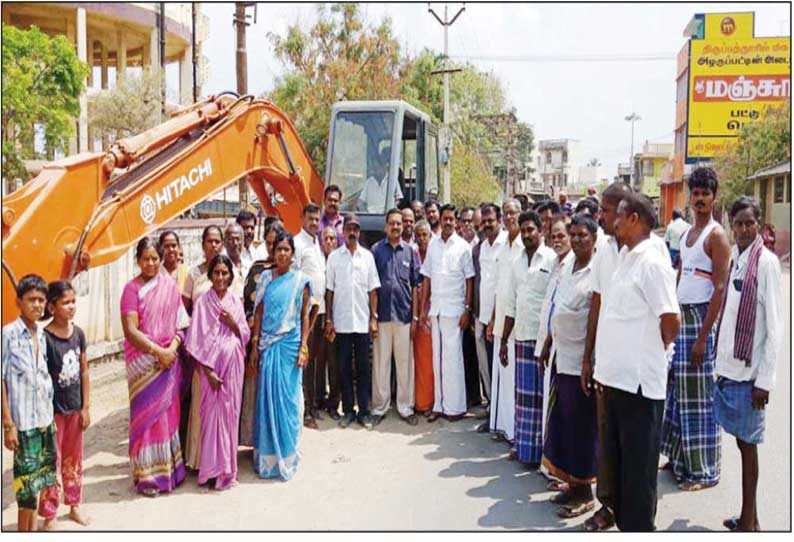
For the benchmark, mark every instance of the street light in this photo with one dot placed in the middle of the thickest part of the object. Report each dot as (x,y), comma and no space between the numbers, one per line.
(632,119)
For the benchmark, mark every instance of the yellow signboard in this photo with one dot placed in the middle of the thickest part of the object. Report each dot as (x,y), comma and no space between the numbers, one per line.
(733,79)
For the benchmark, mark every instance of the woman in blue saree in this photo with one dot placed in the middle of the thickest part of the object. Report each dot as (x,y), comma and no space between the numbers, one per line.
(279,351)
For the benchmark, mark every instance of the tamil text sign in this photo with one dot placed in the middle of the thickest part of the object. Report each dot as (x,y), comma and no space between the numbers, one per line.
(732,81)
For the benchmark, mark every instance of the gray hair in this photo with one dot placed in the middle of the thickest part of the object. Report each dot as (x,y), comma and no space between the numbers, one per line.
(423,223)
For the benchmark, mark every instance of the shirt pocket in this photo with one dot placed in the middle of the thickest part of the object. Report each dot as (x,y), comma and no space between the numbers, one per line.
(402,271)
(360,278)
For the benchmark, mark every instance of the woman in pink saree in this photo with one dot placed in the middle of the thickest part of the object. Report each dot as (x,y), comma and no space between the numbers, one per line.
(151,315)
(216,340)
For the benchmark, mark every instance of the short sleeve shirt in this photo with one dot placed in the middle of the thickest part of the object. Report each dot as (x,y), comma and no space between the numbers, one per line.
(351,277)
(27,379)
(398,271)
(63,362)
(448,264)
(310,261)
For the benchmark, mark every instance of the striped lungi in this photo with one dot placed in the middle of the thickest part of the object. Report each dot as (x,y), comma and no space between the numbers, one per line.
(529,405)
(690,435)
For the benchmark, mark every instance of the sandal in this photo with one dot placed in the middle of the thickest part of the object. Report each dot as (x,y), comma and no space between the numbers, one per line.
(667,466)
(433,417)
(150,492)
(695,486)
(563,497)
(556,485)
(600,521)
(575,509)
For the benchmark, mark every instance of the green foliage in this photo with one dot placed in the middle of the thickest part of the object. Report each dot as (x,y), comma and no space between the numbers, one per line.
(472,183)
(760,144)
(42,82)
(339,58)
(342,57)
(130,108)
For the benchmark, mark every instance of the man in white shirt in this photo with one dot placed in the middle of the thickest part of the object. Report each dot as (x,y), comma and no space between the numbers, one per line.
(351,285)
(247,221)
(484,259)
(637,322)
(748,344)
(310,261)
(373,197)
(672,235)
(605,262)
(232,247)
(503,373)
(526,288)
(465,228)
(448,274)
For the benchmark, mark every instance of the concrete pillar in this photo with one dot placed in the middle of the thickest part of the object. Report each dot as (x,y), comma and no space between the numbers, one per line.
(186,77)
(71,35)
(121,57)
(82,54)
(104,65)
(153,50)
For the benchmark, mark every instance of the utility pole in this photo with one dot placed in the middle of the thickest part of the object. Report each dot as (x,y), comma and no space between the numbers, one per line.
(241,22)
(446,23)
(634,117)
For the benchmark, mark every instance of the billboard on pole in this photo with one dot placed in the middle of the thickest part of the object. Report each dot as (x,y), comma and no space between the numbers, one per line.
(733,78)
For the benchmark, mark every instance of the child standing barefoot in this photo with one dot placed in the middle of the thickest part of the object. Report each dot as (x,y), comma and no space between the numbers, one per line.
(28,429)
(68,367)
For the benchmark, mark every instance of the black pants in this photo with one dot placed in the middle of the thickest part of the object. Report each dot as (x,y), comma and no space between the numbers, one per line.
(631,440)
(350,347)
(313,374)
(471,368)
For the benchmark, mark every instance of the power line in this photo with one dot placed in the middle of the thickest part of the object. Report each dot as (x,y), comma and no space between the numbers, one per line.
(570,58)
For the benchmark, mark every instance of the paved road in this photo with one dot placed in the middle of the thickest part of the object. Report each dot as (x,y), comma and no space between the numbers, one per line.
(443,476)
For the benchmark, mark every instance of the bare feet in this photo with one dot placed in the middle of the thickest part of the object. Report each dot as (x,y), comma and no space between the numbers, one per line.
(77,517)
(48,525)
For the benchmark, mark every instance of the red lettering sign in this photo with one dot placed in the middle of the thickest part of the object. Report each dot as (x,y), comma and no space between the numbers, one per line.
(742,88)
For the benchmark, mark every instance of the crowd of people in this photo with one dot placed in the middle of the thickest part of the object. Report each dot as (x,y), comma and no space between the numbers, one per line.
(585,342)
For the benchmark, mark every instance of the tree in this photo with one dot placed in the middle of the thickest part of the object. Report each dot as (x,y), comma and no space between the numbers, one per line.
(42,83)
(130,108)
(760,144)
(472,182)
(339,58)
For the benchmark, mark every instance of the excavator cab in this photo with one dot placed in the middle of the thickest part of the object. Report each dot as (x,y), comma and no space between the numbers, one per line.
(382,154)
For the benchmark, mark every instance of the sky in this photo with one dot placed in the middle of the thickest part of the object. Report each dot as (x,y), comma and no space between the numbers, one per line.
(583,100)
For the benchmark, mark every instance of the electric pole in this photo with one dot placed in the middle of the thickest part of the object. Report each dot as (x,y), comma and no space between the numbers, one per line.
(241,22)
(634,117)
(446,23)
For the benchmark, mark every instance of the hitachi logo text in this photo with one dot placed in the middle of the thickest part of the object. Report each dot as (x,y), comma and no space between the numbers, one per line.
(174,190)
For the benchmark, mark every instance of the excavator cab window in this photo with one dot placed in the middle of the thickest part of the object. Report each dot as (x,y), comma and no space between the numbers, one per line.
(360,161)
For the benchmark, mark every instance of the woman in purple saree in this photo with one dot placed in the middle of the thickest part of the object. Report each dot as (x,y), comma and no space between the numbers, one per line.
(216,339)
(151,315)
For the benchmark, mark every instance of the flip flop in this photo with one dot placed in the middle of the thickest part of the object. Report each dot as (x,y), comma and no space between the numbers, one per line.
(695,486)
(667,466)
(556,485)
(600,521)
(732,524)
(575,509)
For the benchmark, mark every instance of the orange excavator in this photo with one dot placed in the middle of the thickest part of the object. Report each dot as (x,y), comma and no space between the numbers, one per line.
(89,209)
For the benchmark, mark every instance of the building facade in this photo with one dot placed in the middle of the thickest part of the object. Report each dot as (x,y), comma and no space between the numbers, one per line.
(772,190)
(648,167)
(558,163)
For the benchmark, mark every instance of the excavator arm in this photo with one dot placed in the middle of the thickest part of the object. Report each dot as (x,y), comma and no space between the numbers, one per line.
(89,209)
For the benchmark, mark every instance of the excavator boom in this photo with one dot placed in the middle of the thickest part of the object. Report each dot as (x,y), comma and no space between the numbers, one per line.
(77,214)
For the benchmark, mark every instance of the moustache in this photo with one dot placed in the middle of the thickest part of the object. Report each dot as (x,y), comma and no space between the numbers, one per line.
(699,204)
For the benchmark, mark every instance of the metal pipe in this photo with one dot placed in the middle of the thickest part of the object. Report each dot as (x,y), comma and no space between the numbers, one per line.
(161,32)
(193,50)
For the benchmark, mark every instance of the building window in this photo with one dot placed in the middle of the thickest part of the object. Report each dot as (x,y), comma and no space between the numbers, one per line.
(564,157)
(780,189)
(565,179)
(647,168)
(548,158)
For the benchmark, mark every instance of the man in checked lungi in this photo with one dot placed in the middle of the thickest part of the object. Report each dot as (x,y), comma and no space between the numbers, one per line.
(526,289)
(748,343)
(690,436)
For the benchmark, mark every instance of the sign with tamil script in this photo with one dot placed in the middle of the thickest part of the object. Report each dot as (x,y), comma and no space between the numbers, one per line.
(733,78)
